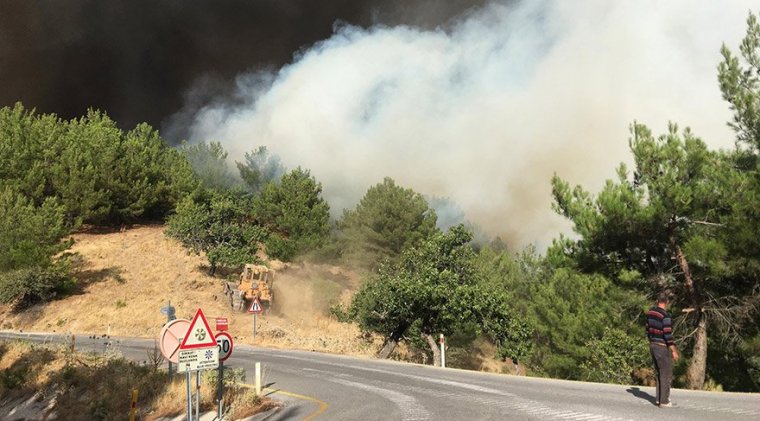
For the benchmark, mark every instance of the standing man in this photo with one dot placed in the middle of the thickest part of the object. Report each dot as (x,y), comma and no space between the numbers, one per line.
(664,352)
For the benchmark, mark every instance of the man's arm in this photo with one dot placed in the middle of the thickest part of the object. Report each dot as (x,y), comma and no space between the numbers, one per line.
(667,333)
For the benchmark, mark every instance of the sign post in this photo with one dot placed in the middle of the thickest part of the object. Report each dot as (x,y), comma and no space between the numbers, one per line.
(168,310)
(189,402)
(198,395)
(224,345)
(255,309)
(197,352)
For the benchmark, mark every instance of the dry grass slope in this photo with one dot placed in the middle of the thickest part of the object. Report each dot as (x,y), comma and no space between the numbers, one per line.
(125,277)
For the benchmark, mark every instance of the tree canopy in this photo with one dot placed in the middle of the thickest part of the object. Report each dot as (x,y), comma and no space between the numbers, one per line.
(259,169)
(388,219)
(664,222)
(218,224)
(294,210)
(98,173)
(434,288)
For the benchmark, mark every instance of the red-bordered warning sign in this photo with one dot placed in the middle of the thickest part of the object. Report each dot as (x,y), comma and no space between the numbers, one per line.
(256,307)
(199,334)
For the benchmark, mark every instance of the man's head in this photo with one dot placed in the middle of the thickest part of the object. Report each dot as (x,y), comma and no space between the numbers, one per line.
(663,299)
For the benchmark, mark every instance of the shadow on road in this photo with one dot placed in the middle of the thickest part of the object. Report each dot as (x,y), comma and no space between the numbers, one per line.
(635,391)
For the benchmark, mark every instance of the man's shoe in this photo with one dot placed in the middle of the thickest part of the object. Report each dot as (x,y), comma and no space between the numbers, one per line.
(667,405)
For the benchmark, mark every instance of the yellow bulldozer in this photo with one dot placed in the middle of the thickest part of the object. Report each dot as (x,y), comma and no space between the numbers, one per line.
(255,282)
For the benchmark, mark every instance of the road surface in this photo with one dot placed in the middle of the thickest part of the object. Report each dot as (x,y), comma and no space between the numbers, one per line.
(332,387)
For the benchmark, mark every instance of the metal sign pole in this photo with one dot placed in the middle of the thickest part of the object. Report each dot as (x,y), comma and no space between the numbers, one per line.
(198,395)
(220,390)
(169,317)
(254,325)
(189,398)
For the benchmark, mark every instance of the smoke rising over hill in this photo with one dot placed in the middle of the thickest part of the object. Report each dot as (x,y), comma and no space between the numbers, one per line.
(473,100)
(485,110)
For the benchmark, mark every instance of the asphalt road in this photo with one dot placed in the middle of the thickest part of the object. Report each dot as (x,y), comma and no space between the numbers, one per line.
(331,387)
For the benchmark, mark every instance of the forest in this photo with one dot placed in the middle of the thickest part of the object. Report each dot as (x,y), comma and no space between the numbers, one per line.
(682,219)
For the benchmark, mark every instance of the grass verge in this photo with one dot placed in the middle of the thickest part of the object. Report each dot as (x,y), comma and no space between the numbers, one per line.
(44,381)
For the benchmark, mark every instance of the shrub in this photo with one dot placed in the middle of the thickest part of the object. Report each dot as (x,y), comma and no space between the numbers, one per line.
(614,357)
(24,287)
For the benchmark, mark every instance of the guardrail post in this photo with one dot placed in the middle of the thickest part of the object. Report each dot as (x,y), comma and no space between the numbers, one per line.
(133,409)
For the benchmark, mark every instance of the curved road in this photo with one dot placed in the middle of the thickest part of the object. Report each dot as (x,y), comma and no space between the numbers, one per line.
(332,387)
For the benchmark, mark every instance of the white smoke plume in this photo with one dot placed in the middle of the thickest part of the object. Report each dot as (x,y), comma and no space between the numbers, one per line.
(485,111)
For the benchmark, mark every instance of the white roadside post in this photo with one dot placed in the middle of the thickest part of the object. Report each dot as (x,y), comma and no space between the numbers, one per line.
(443,351)
(258,379)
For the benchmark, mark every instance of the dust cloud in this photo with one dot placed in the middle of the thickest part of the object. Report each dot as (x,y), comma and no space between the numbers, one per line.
(485,110)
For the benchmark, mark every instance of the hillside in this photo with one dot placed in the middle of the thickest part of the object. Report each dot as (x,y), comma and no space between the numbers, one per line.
(125,277)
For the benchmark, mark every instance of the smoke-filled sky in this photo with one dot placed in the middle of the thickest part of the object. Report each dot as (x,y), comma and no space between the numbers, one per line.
(136,59)
(480,102)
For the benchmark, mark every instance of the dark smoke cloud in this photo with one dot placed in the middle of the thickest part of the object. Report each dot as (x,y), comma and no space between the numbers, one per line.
(143,60)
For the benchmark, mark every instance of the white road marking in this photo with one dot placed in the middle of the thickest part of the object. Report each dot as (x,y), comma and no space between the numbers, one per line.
(411,410)
(529,406)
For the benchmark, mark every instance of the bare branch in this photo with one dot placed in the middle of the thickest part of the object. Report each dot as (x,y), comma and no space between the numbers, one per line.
(710,224)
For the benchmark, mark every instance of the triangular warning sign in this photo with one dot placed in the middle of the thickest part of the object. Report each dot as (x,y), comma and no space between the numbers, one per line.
(199,334)
(256,307)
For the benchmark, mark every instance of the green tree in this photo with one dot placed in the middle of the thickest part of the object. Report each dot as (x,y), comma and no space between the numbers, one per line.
(97,172)
(740,84)
(432,289)
(218,224)
(663,223)
(209,162)
(566,308)
(388,219)
(259,169)
(295,212)
(148,178)
(739,77)
(30,238)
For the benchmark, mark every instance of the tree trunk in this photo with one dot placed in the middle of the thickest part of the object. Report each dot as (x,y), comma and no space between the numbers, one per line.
(695,375)
(433,347)
(388,347)
(391,342)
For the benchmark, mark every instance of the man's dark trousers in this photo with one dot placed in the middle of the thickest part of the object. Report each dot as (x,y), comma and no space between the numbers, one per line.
(663,366)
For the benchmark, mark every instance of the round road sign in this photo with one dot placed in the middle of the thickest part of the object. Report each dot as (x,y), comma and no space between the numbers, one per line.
(171,337)
(224,343)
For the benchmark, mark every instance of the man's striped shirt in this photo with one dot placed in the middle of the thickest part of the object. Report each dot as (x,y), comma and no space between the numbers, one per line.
(659,326)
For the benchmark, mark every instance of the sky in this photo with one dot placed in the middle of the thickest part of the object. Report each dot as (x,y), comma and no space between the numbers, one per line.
(477,102)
